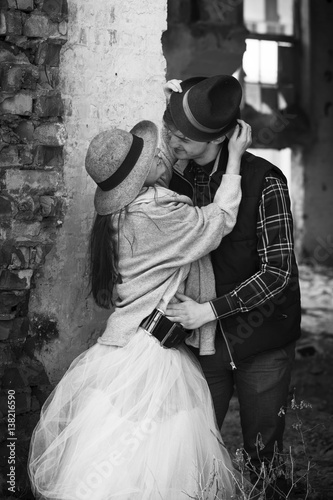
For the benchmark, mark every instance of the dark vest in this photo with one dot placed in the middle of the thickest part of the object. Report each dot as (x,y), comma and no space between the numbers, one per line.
(277,322)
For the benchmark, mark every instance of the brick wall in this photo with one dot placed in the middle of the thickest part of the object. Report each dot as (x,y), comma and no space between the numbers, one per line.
(32,208)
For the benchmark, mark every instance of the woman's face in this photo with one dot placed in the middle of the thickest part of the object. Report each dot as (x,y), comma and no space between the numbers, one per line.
(157,169)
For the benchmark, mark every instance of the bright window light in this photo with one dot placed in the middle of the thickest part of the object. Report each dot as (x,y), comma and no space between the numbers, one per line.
(251,61)
(260,61)
(268,62)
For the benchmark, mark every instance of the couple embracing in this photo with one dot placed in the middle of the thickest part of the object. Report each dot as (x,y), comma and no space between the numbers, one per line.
(193,236)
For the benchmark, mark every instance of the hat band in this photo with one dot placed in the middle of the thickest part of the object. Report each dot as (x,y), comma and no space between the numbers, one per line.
(126,167)
(193,121)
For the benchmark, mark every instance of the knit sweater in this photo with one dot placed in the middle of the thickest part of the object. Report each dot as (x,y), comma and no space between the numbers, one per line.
(163,246)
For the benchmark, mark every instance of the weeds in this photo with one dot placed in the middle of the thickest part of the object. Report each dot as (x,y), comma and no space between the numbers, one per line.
(264,482)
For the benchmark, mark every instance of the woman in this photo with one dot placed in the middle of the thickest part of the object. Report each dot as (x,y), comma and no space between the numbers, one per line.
(132,419)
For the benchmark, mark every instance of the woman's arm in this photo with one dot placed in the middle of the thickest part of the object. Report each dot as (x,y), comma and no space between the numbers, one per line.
(166,153)
(226,197)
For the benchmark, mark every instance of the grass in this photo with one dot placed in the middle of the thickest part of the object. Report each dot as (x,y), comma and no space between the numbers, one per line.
(289,466)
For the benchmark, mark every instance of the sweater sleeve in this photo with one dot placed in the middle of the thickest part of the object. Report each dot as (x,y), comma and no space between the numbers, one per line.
(184,233)
(228,197)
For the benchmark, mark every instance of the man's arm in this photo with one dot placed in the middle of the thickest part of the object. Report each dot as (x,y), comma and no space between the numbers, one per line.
(275,248)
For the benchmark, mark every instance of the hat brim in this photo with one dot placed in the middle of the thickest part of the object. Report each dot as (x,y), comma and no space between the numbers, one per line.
(107,202)
(181,121)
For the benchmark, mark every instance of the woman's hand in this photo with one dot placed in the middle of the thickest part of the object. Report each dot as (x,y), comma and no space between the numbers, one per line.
(240,140)
(172,86)
(190,313)
(238,143)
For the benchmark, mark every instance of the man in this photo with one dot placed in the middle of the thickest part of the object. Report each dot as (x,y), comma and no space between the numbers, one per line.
(258,299)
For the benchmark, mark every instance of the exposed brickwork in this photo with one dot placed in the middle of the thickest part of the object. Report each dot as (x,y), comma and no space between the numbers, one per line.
(32,137)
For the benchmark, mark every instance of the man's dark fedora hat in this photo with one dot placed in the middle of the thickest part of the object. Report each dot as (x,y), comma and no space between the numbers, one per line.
(207,108)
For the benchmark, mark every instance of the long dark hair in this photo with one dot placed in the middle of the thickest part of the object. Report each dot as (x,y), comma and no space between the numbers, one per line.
(103,258)
(103,251)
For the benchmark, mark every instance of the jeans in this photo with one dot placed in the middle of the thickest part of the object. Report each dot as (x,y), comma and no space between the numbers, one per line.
(262,384)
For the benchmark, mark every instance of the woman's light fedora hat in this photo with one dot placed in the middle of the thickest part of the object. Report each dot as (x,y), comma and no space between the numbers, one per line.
(119,162)
(207,108)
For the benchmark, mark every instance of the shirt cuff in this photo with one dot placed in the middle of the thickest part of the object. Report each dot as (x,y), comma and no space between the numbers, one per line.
(224,306)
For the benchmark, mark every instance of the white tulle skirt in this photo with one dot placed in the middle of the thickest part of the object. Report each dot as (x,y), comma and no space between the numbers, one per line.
(130,423)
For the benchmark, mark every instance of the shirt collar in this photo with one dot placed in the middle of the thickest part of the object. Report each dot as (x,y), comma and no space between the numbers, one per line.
(219,163)
(207,169)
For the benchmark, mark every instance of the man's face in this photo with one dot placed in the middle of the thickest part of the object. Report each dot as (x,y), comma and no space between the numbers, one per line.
(184,148)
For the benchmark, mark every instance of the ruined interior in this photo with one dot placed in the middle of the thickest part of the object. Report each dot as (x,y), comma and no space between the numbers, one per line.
(70,68)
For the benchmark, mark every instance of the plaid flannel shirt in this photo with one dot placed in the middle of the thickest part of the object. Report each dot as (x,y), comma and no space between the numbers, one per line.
(275,246)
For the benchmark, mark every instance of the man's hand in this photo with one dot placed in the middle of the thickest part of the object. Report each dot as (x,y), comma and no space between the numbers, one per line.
(190,313)
(172,86)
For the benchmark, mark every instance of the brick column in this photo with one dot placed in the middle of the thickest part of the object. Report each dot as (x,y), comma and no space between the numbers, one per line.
(32,208)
